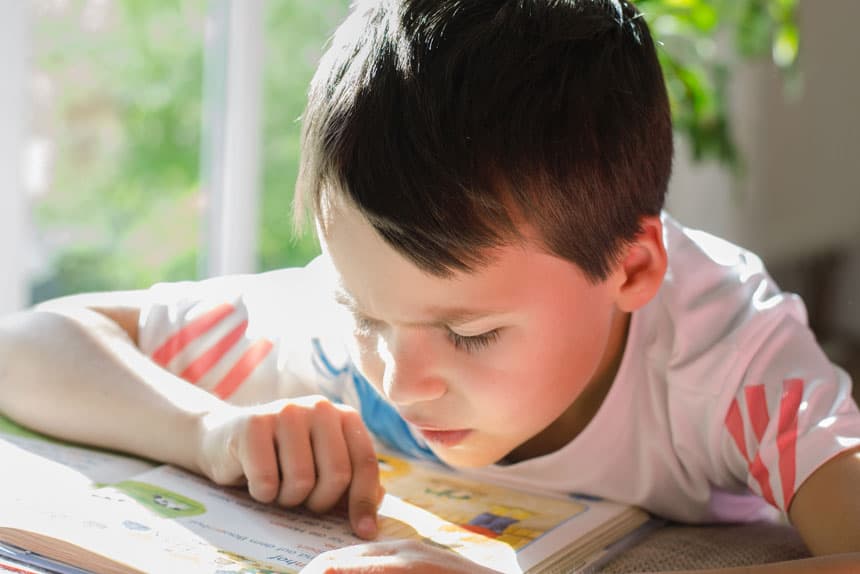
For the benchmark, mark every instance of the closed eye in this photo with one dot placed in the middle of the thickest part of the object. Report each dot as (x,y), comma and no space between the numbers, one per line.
(473,343)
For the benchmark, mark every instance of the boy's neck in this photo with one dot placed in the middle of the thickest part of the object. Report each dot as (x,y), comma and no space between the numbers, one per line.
(577,416)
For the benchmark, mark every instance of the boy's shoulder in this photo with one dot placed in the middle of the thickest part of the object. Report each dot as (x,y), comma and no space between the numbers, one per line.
(289,305)
(715,309)
(718,288)
(267,291)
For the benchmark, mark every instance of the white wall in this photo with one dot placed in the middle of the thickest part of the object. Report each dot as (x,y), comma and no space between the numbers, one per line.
(801,195)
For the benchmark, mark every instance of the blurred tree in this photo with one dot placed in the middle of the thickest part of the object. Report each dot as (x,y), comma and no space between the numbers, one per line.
(121,210)
(697,69)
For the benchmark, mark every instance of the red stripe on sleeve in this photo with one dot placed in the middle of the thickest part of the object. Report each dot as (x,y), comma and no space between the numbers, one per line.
(243,367)
(735,424)
(757,409)
(201,365)
(786,440)
(179,340)
(762,476)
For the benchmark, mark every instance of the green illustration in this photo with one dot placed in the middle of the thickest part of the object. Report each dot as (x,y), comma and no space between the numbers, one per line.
(10,428)
(161,501)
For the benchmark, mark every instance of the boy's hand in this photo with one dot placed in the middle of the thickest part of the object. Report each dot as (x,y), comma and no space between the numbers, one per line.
(397,557)
(297,451)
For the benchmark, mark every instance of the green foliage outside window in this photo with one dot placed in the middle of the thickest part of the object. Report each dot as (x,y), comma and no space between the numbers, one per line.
(122,209)
(697,69)
(125,189)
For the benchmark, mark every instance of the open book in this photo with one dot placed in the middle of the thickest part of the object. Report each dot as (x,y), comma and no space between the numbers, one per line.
(65,508)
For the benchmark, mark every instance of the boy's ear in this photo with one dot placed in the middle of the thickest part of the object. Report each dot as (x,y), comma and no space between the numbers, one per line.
(642,266)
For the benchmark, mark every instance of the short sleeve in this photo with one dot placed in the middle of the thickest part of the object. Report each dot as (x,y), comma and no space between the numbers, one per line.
(792,412)
(246,338)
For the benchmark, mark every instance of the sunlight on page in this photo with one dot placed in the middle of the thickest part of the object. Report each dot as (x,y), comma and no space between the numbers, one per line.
(163,519)
(73,463)
(403,520)
(31,475)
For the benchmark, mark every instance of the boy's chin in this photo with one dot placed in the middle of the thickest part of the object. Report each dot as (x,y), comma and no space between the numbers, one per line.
(461,457)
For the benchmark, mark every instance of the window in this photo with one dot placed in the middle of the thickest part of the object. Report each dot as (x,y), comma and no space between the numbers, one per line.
(296,33)
(112,165)
(121,150)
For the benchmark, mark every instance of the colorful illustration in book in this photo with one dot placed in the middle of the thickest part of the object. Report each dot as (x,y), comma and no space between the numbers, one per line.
(230,561)
(470,509)
(391,467)
(161,501)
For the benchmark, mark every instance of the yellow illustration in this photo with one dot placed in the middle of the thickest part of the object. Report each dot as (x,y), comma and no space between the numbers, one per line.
(455,511)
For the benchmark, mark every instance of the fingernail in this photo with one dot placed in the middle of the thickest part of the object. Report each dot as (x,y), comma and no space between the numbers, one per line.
(367,527)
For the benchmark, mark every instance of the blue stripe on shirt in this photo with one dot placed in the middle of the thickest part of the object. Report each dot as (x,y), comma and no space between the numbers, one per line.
(381,418)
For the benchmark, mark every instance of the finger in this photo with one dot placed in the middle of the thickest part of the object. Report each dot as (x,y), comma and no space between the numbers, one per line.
(295,455)
(374,557)
(365,491)
(256,450)
(336,564)
(342,505)
(331,456)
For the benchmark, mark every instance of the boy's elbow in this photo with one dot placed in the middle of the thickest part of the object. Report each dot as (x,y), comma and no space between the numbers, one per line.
(16,349)
(120,308)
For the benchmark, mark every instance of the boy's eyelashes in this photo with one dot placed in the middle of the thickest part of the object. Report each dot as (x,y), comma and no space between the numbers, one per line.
(473,343)
(365,326)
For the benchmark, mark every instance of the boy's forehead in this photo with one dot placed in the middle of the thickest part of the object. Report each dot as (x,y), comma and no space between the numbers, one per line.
(366,268)
(431,314)
(373,278)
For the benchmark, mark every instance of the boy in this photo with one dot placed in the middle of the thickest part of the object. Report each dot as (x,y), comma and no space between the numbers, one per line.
(487,179)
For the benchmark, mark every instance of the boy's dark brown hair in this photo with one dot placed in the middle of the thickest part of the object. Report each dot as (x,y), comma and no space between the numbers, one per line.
(455,125)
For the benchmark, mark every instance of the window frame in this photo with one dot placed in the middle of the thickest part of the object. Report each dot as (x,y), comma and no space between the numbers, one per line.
(15,34)
(231,159)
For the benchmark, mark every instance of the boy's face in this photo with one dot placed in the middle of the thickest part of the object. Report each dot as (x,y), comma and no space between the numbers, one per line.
(482,362)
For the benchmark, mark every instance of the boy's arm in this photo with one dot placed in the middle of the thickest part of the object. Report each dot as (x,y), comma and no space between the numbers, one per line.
(826,508)
(826,512)
(72,368)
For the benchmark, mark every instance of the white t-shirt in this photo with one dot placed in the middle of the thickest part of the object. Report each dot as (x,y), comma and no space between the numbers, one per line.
(722,406)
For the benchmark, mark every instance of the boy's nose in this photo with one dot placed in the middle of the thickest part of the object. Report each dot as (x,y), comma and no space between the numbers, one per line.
(410,376)
(404,388)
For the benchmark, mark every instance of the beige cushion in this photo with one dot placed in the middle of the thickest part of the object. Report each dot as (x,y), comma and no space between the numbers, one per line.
(681,547)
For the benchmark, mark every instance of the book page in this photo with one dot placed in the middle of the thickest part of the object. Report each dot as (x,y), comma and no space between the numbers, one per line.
(498,527)
(229,519)
(106,530)
(165,518)
(503,528)
(96,466)
(288,539)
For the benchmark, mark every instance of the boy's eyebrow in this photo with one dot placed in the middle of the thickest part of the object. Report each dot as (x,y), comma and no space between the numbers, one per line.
(441,315)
